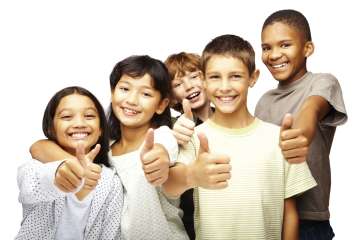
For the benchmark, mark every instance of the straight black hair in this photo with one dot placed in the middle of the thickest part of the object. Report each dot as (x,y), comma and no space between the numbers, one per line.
(136,67)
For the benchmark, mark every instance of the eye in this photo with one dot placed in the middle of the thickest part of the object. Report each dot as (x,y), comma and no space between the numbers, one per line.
(285,45)
(265,48)
(214,77)
(194,75)
(123,89)
(175,85)
(90,116)
(236,76)
(147,94)
(65,117)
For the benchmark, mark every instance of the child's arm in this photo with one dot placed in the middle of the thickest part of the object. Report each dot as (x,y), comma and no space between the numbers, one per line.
(313,110)
(48,151)
(35,182)
(290,229)
(210,171)
(110,224)
(297,134)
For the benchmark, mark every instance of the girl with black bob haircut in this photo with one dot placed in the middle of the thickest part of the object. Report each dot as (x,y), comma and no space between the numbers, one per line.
(49,114)
(136,67)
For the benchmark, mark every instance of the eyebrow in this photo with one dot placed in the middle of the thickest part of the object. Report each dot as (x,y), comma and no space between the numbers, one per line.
(70,109)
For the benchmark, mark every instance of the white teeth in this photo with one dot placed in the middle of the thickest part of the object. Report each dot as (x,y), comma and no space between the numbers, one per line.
(279,65)
(226,99)
(195,94)
(79,135)
(130,111)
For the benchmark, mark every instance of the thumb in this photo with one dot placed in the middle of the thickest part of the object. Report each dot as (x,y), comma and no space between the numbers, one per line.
(287,122)
(187,109)
(93,153)
(80,154)
(204,143)
(148,142)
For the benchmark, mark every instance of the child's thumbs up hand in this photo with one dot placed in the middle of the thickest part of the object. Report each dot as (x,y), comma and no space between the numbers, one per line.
(92,171)
(187,109)
(211,171)
(68,176)
(184,127)
(294,145)
(155,160)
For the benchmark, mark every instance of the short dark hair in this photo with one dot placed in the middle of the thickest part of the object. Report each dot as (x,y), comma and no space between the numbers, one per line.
(49,114)
(292,18)
(230,45)
(136,67)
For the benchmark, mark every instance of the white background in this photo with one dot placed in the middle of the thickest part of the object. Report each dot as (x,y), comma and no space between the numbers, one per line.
(48,45)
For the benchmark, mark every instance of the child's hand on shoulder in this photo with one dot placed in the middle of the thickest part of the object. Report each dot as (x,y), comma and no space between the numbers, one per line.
(293,143)
(155,160)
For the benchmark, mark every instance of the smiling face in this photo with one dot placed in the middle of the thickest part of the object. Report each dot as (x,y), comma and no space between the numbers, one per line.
(191,87)
(284,52)
(76,119)
(227,82)
(135,101)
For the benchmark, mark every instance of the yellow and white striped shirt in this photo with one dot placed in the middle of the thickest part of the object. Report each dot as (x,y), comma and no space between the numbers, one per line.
(252,206)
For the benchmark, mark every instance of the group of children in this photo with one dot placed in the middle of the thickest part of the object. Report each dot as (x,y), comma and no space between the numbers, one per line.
(219,173)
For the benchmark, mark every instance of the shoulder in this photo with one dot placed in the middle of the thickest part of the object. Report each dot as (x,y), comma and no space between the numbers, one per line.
(263,102)
(164,135)
(162,129)
(201,126)
(268,94)
(324,79)
(267,126)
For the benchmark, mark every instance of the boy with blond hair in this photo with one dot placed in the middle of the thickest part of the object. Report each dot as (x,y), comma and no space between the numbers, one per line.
(255,200)
(316,101)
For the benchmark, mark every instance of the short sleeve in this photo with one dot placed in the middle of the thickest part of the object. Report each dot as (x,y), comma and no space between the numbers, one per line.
(164,136)
(328,87)
(298,179)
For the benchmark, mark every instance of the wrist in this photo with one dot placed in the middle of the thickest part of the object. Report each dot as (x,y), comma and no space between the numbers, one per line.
(191,180)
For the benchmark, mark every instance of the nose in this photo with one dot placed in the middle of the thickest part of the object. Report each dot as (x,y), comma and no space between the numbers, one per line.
(132,98)
(225,85)
(79,121)
(275,54)
(187,84)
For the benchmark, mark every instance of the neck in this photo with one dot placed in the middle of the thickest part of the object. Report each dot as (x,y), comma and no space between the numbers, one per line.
(238,119)
(295,77)
(204,112)
(131,139)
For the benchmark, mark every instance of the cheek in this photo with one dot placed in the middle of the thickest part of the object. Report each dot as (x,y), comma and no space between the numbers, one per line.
(178,94)
(263,57)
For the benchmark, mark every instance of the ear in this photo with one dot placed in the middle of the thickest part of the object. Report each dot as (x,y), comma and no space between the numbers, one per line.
(309,48)
(254,77)
(162,106)
(173,102)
